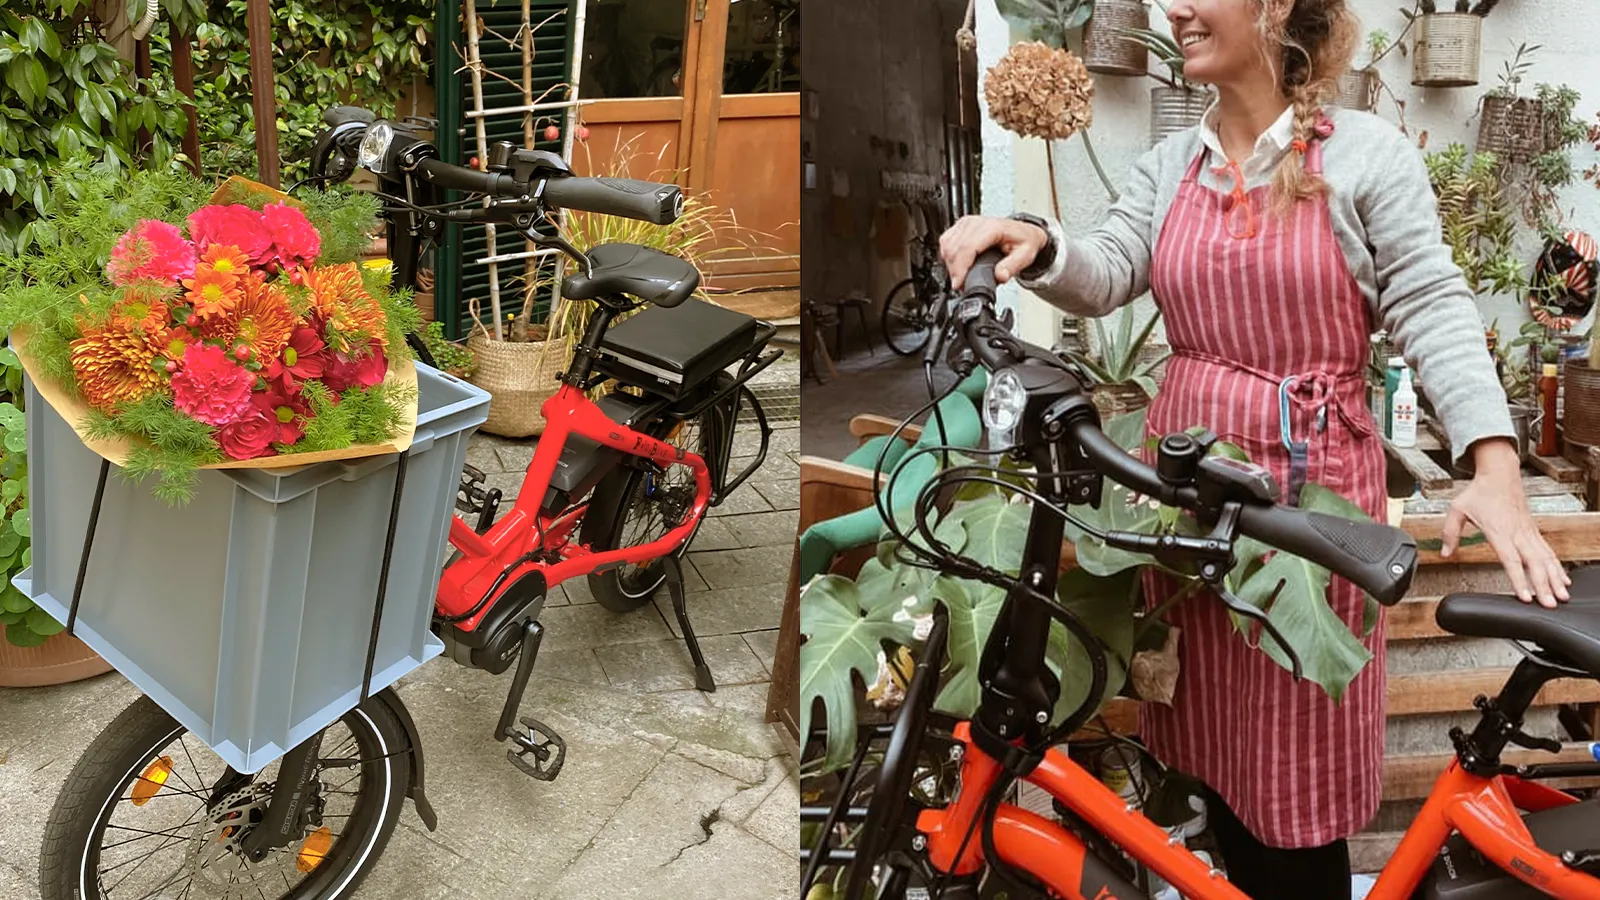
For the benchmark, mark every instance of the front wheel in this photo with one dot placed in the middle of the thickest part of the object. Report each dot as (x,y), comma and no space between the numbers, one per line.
(149,811)
(906,320)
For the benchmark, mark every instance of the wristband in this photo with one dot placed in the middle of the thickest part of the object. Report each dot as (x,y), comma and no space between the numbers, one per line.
(1047,254)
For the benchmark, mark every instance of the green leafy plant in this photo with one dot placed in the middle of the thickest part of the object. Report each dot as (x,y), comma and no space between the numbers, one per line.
(325,53)
(855,628)
(1117,358)
(447,355)
(66,93)
(1477,221)
(1513,70)
(1047,20)
(26,625)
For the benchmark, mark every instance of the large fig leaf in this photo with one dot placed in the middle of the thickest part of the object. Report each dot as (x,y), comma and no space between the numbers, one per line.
(844,631)
(973,607)
(1294,592)
(1106,604)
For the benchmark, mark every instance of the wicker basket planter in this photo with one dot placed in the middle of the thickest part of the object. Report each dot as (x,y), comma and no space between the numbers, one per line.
(1446,51)
(1107,52)
(1356,88)
(1174,109)
(1118,399)
(59,660)
(1512,128)
(1580,389)
(519,377)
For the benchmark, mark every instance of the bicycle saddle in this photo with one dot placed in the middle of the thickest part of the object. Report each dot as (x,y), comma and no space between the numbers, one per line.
(638,271)
(1571,630)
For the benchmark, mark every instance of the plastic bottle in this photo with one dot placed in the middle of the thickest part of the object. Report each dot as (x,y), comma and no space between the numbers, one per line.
(1391,381)
(1548,384)
(1403,413)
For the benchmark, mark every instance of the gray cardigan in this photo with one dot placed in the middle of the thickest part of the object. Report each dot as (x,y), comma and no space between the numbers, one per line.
(1386,219)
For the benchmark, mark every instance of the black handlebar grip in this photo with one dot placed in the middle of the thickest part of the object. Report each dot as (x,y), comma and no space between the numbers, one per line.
(1377,558)
(648,201)
(980,280)
(460,178)
(338,115)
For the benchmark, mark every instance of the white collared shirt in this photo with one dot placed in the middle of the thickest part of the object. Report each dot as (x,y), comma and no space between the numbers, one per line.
(1263,161)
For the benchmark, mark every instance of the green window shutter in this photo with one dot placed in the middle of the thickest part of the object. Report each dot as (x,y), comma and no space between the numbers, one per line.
(458,277)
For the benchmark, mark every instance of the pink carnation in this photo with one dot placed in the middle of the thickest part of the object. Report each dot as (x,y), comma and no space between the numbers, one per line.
(210,387)
(346,370)
(236,225)
(251,436)
(153,250)
(294,241)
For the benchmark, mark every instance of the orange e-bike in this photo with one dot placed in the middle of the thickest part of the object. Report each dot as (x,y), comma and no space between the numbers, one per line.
(1488,830)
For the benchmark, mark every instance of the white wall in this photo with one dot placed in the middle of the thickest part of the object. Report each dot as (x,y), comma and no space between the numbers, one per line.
(1015,174)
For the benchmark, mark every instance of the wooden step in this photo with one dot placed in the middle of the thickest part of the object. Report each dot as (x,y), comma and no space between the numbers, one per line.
(1447,692)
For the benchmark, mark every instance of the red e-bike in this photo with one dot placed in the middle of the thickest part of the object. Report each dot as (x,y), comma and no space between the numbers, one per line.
(615,492)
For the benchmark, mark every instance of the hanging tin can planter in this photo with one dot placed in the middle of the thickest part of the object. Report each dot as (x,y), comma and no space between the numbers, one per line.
(1357,90)
(1446,51)
(1175,109)
(1512,128)
(1107,50)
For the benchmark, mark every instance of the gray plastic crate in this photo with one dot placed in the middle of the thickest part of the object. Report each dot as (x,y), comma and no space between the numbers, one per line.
(247,613)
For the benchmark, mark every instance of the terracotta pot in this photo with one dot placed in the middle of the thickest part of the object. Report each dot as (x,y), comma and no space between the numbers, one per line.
(59,660)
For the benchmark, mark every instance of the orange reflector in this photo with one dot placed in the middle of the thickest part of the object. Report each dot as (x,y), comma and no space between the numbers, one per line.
(314,849)
(149,783)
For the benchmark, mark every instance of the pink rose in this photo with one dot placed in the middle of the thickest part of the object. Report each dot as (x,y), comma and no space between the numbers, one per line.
(345,371)
(249,437)
(151,250)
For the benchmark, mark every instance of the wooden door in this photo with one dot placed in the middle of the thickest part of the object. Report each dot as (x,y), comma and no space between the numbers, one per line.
(704,93)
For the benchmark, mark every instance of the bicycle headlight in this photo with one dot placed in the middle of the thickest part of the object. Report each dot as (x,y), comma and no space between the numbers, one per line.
(374,155)
(1003,402)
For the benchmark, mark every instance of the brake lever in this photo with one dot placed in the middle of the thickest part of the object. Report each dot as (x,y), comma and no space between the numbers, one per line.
(1254,614)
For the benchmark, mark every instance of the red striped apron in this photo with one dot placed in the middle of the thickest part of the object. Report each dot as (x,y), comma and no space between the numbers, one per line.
(1249,299)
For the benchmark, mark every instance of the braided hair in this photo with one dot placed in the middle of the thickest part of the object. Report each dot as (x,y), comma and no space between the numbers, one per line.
(1310,45)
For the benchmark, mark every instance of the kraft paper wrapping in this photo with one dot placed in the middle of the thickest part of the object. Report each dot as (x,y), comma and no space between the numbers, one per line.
(75,411)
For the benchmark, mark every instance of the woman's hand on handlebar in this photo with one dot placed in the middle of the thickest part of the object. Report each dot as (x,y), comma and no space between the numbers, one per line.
(971,235)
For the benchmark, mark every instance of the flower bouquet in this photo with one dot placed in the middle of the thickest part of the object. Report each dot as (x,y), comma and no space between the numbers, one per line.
(223,335)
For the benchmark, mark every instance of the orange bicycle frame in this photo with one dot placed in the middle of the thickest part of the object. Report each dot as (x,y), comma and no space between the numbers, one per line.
(1484,810)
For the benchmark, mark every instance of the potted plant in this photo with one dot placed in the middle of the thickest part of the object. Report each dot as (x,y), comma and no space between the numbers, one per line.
(1107,49)
(1176,103)
(1511,126)
(33,651)
(1122,375)
(1477,221)
(1447,45)
(1358,88)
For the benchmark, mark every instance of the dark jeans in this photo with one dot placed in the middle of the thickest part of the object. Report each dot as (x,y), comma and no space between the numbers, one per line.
(1272,873)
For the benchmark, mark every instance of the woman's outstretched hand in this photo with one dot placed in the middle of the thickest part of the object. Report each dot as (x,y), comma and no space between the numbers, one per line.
(1495,503)
(971,235)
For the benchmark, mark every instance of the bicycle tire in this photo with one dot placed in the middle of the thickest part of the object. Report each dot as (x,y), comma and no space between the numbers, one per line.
(892,319)
(138,735)
(626,588)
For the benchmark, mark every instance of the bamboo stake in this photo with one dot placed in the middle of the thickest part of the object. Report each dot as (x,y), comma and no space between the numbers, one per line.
(530,283)
(475,64)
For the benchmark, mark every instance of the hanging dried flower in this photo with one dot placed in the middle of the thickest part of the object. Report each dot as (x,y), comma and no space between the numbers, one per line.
(1037,91)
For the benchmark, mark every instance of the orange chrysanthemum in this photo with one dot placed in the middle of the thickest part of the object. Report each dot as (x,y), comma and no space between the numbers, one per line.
(340,298)
(261,320)
(224,259)
(116,367)
(211,293)
(143,311)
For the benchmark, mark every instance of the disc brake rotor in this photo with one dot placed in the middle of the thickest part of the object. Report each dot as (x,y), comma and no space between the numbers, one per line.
(220,867)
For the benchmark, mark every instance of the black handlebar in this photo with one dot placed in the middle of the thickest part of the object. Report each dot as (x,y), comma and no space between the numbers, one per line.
(338,115)
(649,201)
(1378,558)
(460,178)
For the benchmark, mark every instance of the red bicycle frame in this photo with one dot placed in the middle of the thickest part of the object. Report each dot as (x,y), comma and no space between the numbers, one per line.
(1484,810)
(484,558)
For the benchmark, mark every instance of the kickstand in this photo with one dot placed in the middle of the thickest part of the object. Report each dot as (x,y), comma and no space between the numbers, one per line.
(702,672)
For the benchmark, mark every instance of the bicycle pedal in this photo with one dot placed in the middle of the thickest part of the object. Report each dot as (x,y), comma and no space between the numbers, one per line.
(539,751)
